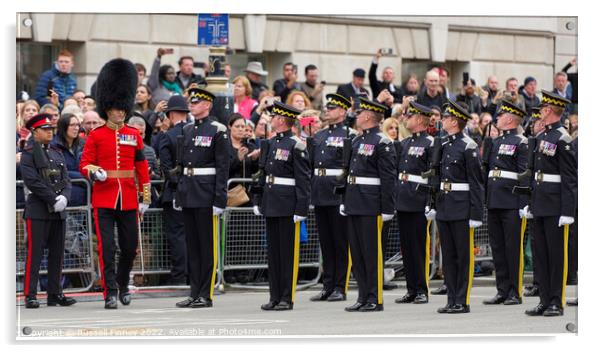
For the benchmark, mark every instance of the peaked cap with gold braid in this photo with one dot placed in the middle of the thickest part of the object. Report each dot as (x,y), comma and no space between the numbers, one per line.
(456,111)
(549,98)
(535,114)
(284,110)
(337,101)
(419,109)
(198,94)
(366,104)
(508,107)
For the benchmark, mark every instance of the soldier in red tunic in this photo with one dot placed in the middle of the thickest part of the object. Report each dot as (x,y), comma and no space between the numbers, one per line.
(113,160)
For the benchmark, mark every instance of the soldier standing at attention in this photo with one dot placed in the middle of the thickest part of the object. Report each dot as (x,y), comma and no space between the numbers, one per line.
(369,201)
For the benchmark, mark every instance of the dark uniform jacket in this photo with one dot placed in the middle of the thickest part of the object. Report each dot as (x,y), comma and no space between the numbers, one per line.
(327,154)
(554,155)
(287,158)
(167,156)
(509,152)
(205,146)
(44,192)
(372,156)
(460,163)
(413,159)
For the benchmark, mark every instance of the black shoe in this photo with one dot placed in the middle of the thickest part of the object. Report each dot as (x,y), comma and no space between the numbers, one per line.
(59,299)
(536,311)
(408,298)
(269,306)
(572,302)
(498,299)
(125,297)
(421,298)
(111,302)
(553,310)
(389,286)
(445,309)
(571,281)
(283,306)
(322,296)
(440,291)
(201,302)
(459,309)
(337,296)
(512,300)
(32,303)
(185,303)
(371,307)
(355,307)
(531,292)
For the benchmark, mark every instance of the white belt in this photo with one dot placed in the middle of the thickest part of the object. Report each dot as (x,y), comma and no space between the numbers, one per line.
(496,173)
(273,180)
(548,178)
(352,179)
(199,171)
(413,178)
(446,186)
(327,172)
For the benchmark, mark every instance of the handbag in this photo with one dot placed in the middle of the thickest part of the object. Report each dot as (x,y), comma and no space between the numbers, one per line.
(237,195)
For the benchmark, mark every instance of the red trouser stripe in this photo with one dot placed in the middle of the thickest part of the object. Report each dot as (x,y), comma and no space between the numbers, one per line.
(100,257)
(28,266)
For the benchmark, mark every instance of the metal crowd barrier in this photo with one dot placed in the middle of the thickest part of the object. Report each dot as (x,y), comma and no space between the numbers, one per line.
(79,252)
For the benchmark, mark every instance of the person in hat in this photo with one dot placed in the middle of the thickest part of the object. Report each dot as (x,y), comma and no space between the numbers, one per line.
(202,195)
(326,156)
(528,93)
(459,207)
(113,159)
(355,88)
(413,160)
(46,177)
(177,113)
(506,159)
(553,205)
(254,73)
(284,202)
(368,202)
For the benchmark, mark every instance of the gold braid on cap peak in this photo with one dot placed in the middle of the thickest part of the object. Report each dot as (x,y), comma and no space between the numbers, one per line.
(202,96)
(371,107)
(146,193)
(456,113)
(512,110)
(339,103)
(283,112)
(546,99)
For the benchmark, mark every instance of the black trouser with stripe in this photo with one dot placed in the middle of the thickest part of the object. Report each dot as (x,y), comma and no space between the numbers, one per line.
(332,229)
(533,254)
(458,260)
(201,247)
(174,231)
(573,245)
(505,240)
(43,234)
(127,237)
(283,257)
(412,237)
(551,248)
(366,254)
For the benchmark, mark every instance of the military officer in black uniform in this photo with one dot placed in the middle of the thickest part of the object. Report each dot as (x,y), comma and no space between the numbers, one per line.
(506,160)
(202,195)
(410,201)
(177,112)
(459,208)
(284,203)
(327,161)
(553,204)
(368,201)
(45,176)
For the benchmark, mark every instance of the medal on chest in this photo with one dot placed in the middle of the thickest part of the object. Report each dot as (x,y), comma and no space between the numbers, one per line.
(203,141)
(334,141)
(365,149)
(506,150)
(416,151)
(129,140)
(281,155)
(547,148)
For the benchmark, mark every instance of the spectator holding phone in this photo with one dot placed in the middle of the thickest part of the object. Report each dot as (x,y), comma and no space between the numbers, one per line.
(388,75)
(244,153)
(57,83)
(162,80)
(284,86)
(186,77)
(510,93)
(266,100)
(312,88)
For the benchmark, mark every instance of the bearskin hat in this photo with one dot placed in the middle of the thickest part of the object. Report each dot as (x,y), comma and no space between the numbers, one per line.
(116,87)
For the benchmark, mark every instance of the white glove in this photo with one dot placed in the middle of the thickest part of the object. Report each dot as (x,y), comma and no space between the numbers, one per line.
(60,204)
(430,213)
(256,211)
(142,207)
(100,175)
(297,219)
(342,210)
(565,220)
(174,206)
(217,211)
(525,213)
(387,217)
(474,224)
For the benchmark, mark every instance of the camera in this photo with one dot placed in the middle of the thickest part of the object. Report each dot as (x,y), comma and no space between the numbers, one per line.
(198,65)
(295,67)
(464,78)
(323,83)
(386,51)
(49,88)
(245,142)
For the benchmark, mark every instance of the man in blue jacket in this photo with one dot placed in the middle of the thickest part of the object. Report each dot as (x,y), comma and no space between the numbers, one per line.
(58,79)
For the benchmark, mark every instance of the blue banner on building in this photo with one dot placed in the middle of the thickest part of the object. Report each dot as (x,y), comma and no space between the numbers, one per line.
(212,29)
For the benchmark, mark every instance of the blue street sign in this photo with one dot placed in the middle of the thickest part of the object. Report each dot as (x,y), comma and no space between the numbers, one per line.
(213,29)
